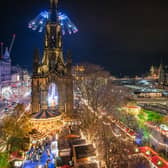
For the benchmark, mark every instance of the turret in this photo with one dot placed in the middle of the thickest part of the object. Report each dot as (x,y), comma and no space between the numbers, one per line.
(152,71)
(36,61)
(161,73)
(53,34)
(53,54)
(53,17)
(69,63)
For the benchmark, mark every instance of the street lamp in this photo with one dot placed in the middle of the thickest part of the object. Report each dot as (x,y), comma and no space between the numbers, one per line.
(18,163)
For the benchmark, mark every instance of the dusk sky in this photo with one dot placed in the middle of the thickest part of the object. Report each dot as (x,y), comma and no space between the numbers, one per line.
(123,36)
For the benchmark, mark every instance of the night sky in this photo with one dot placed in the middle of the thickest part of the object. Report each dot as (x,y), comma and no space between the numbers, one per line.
(125,37)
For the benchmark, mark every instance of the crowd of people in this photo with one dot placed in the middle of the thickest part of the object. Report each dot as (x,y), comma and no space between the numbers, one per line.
(40,154)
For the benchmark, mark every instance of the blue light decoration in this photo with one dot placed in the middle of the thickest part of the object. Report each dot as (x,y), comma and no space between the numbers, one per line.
(138,139)
(39,22)
(52,95)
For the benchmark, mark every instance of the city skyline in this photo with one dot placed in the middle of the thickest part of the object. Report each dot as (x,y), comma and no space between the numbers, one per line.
(124,37)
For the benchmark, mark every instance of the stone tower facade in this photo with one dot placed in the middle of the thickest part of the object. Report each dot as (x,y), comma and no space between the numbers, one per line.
(52,85)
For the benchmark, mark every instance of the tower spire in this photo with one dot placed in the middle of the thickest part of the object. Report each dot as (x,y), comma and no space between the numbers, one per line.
(53,17)
(161,72)
(53,3)
(36,61)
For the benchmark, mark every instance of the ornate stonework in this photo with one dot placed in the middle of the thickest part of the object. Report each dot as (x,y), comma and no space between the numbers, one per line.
(52,85)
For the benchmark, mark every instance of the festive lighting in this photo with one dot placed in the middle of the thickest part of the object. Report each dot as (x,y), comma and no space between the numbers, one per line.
(159,163)
(164,127)
(159,129)
(27,108)
(48,125)
(136,150)
(157,142)
(39,22)
(148,152)
(153,157)
(138,140)
(52,95)
(7,92)
(54,148)
(18,163)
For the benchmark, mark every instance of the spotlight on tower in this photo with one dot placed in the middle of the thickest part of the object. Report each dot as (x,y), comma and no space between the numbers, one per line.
(39,22)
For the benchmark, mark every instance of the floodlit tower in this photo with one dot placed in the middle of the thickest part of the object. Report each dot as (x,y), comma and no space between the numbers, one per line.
(52,78)
(161,73)
(152,71)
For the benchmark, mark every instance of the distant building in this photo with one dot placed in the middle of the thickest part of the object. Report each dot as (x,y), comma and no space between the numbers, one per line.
(5,67)
(15,77)
(154,72)
(163,76)
(26,76)
(78,72)
(5,63)
(83,72)
(20,74)
(148,94)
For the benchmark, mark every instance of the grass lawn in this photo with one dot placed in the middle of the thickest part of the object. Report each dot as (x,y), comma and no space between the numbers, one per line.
(147,115)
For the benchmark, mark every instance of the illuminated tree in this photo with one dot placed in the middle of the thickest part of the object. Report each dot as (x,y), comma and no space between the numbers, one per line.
(89,124)
(98,92)
(138,162)
(98,96)
(92,85)
(4,160)
(130,121)
(111,150)
(18,110)
(15,130)
(165,120)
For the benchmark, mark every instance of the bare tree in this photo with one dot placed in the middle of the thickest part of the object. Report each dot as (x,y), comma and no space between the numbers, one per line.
(89,124)
(97,90)
(138,162)
(113,150)
(98,95)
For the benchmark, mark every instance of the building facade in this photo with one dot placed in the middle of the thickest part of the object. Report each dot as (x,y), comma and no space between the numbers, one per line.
(52,84)
(163,76)
(5,67)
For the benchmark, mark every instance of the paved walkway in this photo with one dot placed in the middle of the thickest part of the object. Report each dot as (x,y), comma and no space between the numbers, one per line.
(42,161)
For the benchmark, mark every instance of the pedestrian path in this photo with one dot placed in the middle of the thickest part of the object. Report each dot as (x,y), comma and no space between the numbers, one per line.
(42,161)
